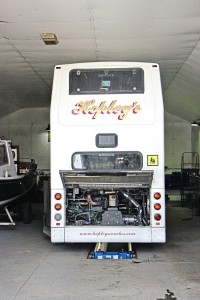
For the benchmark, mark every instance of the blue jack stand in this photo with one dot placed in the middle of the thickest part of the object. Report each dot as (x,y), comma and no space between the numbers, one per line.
(100,252)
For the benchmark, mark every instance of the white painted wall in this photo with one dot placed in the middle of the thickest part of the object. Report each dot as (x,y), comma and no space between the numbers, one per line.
(26,128)
(179,137)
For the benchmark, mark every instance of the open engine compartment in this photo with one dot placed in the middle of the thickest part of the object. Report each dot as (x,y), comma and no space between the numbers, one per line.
(107,207)
(114,199)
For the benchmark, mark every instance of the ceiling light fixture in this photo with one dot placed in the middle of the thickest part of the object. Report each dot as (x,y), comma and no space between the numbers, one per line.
(196,123)
(49,38)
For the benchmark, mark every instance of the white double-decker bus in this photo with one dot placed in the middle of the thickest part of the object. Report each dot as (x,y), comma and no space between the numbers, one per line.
(107,153)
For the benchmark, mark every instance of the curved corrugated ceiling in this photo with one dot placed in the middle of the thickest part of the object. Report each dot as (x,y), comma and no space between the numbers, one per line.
(165,32)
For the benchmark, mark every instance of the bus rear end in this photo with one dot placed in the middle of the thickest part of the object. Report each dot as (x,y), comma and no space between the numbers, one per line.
(107,154)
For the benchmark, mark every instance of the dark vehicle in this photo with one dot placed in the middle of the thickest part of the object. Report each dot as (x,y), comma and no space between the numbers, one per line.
(15,189)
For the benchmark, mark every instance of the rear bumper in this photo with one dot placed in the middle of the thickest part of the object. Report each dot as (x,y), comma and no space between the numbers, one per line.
(114,234)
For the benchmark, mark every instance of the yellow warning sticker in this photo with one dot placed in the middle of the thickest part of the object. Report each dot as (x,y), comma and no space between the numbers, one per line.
(152,160)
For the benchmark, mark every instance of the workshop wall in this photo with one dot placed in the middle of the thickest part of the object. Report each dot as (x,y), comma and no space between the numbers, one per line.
(26,128)
(178,139)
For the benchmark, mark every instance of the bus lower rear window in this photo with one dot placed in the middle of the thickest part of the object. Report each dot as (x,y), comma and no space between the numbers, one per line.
(107,161)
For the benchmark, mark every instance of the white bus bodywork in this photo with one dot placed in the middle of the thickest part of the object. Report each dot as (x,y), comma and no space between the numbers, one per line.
(98,204)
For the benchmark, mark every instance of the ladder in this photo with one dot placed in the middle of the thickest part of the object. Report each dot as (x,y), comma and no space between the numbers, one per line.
(189,179)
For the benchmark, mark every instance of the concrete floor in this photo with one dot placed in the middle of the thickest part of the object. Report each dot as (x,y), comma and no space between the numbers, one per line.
(34,269)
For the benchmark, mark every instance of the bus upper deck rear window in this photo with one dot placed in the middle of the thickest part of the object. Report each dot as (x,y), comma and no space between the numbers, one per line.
(106,81)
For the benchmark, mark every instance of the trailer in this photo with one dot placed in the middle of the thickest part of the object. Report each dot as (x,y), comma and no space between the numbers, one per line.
(107,154)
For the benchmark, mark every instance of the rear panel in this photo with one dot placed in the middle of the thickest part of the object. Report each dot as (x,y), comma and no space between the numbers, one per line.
(107,153)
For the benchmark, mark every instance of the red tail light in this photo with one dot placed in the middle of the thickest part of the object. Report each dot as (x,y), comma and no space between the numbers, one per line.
(58,206)
(157,217)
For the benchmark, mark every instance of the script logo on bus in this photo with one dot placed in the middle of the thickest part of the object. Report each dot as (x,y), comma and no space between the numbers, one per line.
(89,107)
